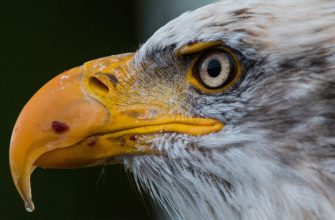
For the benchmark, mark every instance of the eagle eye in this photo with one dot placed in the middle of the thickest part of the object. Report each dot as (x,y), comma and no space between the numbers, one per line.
(215,71)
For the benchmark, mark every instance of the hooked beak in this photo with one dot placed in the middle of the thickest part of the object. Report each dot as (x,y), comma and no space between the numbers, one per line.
(82,118)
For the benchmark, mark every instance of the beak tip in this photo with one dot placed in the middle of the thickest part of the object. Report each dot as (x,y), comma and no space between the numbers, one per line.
(29,206)
(22,184)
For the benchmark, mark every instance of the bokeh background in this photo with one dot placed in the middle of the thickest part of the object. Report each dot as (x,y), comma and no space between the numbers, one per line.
(39,40)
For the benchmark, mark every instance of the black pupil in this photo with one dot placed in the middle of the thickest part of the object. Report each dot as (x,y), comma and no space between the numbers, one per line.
(214,68)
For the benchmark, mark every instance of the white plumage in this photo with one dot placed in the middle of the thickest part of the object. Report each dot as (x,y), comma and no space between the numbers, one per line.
(274,159)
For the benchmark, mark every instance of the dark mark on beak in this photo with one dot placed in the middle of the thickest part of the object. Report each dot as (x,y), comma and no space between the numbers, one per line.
(113,79)
(59,127)
(132,138)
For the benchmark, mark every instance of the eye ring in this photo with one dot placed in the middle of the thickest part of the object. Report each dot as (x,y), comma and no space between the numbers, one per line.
(215,71)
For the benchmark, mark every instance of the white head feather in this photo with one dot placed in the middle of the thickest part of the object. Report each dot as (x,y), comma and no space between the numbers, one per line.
(274,159)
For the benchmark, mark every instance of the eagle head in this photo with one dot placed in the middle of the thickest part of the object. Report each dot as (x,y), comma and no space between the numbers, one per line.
(226,112)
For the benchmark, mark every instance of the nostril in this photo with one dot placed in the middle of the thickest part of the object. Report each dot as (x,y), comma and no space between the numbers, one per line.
(98,86)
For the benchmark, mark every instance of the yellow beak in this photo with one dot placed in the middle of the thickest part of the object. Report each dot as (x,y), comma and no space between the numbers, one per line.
(83,117)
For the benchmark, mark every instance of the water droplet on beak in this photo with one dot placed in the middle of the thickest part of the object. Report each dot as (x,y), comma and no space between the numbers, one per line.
(29,206)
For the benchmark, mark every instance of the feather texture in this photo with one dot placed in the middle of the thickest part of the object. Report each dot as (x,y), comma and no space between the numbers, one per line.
(275,158)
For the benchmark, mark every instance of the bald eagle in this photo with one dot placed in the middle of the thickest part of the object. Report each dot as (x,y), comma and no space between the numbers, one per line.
(226,112)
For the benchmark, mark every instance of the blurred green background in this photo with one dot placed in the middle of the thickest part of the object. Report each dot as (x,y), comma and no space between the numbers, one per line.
(39,40)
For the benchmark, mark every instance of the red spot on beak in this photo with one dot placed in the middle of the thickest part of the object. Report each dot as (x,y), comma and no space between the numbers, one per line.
(59,127)
(132,138)
(92,141)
